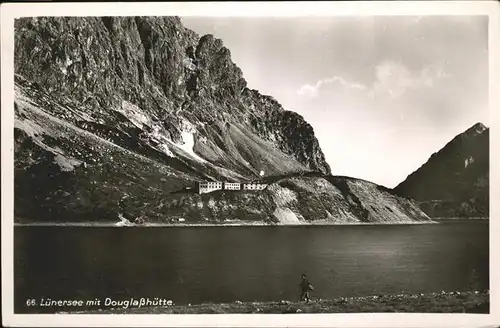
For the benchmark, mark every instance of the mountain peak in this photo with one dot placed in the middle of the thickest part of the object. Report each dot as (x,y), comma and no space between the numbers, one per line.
(454,181)
(476,129)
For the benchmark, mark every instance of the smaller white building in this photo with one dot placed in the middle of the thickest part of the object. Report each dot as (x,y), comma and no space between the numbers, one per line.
(232,186)
(209,186)
(254,186)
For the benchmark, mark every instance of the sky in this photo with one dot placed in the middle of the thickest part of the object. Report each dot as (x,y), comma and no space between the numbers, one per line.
(383,93)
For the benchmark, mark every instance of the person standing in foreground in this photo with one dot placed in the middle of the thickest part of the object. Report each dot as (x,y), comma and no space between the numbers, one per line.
(305,287)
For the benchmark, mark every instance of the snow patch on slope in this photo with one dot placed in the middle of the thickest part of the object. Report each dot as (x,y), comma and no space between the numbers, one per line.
(66,164)
(188,145)
(31,128)
(134,114)
(162,140)
(468,161)
(286,216)
(36,132)
(164,148)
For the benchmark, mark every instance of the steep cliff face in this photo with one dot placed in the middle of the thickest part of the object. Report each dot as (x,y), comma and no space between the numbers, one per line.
(161,84)
(454,182)
(139,108)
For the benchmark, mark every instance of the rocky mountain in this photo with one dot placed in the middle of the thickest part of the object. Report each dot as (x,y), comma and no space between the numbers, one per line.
(107,107)
(454,182)
(172,91)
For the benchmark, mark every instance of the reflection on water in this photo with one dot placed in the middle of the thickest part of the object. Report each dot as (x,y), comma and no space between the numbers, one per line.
(193,265)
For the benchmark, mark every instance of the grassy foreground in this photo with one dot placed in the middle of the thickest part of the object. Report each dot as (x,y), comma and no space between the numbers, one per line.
(453,302)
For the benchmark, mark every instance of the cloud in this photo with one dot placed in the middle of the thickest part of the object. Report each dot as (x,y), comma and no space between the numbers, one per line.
(393,79)
(312,91)
(309,90)
(394,86)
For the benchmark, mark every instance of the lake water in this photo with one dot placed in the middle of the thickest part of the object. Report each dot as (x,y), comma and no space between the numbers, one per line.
(225,264)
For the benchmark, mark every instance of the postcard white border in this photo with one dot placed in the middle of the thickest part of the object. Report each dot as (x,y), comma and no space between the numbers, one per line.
(11,11)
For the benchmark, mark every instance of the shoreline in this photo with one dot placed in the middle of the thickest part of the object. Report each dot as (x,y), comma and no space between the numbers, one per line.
(443,302)
(462,218)
(201,225)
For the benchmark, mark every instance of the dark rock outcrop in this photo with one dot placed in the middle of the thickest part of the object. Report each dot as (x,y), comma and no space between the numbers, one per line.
(454,182)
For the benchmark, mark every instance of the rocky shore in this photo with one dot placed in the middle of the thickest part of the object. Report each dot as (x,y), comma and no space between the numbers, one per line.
(443,302)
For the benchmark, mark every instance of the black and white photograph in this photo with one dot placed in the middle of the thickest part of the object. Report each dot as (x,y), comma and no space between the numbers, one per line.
(169,163)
